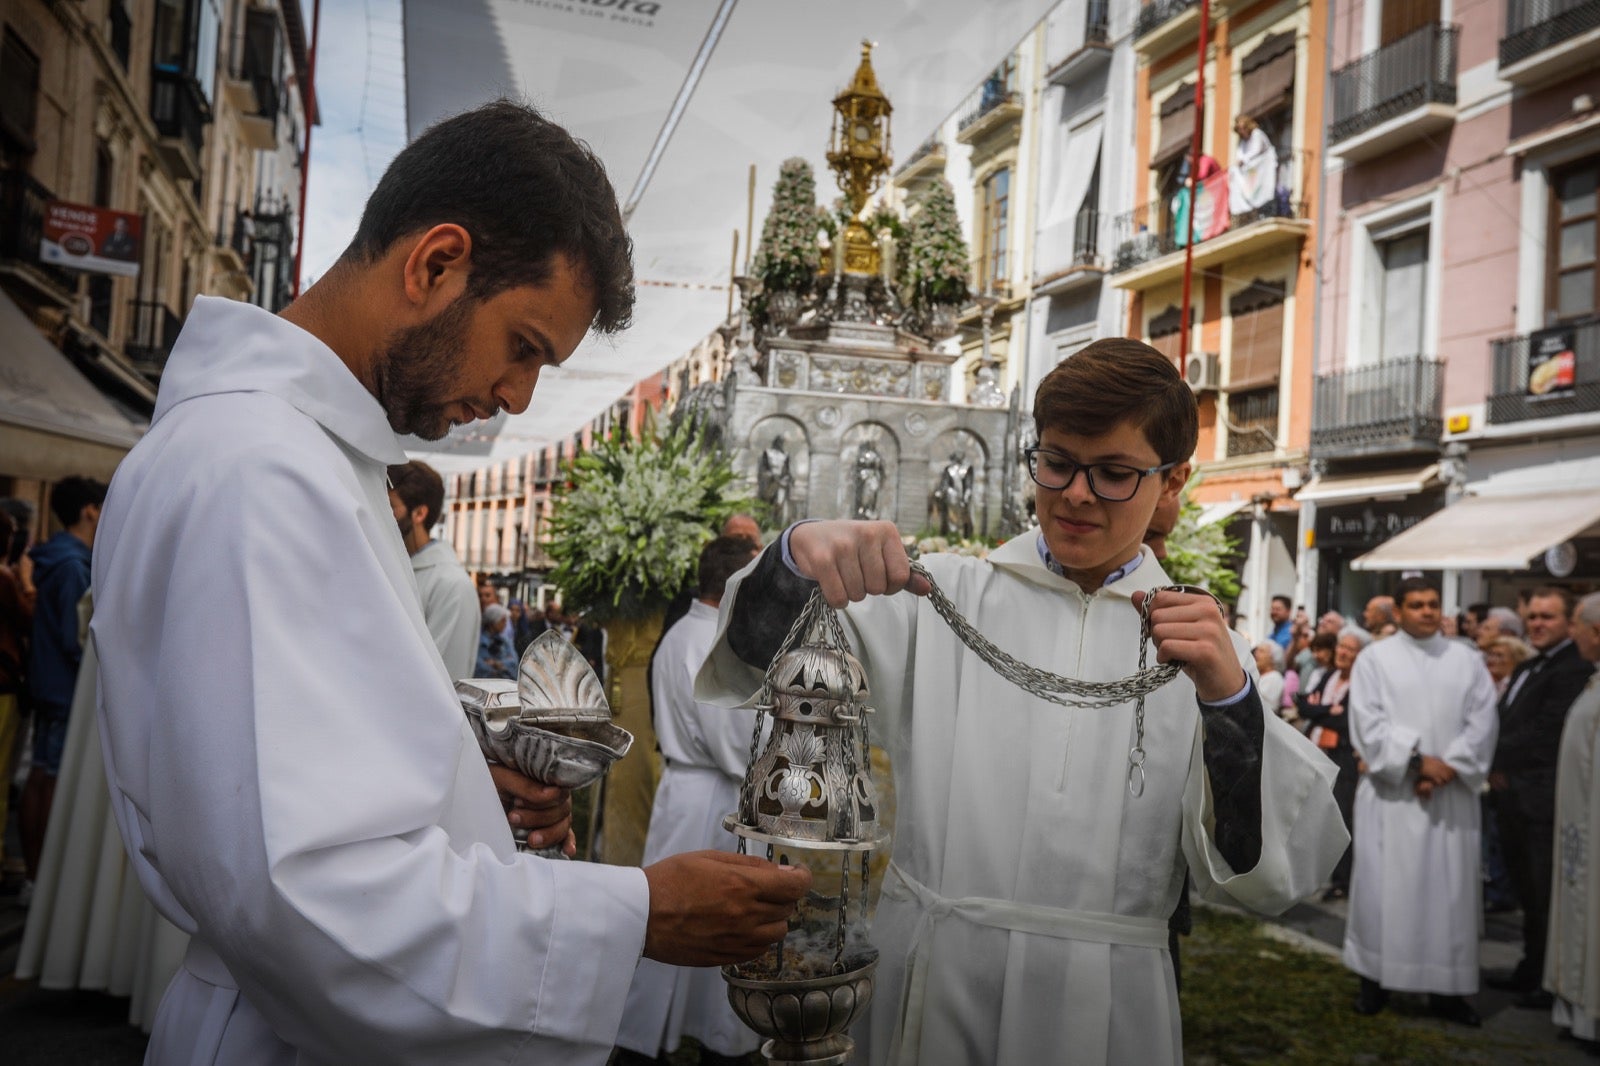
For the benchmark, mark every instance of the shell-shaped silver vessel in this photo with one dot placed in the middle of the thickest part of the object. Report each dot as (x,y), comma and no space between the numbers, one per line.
(553,723)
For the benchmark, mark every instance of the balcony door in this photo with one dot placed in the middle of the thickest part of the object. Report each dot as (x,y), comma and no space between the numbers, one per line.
(1400,18)
(1403,295)
(1572,287)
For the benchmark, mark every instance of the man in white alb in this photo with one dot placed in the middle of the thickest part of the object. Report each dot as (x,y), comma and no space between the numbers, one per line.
(449,599)
(1422,718)
(288,763)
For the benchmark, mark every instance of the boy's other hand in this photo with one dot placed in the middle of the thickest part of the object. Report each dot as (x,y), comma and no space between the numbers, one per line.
(852,560)
(1189,628)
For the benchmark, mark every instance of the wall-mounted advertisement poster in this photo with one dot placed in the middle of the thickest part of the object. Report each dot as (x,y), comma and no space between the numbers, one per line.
(96,239)
(1552,363)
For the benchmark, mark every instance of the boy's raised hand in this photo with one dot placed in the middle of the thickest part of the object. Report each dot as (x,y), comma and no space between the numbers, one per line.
(852,560)
(1189,628)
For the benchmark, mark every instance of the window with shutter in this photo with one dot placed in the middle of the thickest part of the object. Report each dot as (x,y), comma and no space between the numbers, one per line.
(1165,332)
(1256,357)
(1177,126)
(1267,76)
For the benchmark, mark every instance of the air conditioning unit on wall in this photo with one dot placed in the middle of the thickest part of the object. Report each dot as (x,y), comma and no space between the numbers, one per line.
(1200,370)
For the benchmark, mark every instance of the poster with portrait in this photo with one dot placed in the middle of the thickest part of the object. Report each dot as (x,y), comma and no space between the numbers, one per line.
(95,239)
(1552,363)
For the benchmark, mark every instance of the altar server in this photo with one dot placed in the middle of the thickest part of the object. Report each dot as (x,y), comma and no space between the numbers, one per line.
(1036,855)
(1422,719)
(704,750)
(1572,958)
(289,766)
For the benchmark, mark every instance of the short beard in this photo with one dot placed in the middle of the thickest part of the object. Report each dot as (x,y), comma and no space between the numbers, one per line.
(418,368)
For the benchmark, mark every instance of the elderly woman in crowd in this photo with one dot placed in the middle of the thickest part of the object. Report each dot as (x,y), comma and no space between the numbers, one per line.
(1502,656)
(497,653)
(1329,728)
(1269,663)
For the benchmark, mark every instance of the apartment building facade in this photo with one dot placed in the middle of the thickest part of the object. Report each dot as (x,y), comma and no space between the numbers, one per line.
(179,126)
(1248,223)
(1456,424)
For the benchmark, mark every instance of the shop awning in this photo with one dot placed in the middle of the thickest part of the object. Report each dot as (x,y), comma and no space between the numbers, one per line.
(1495,532)
(1212,513)
(41,391)
(1353,487)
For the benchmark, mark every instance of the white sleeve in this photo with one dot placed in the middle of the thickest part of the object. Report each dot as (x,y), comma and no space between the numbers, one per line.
(1384,744)
(317,806)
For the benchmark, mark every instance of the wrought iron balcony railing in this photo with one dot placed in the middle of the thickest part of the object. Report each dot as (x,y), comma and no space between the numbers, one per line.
(1418,69)
(1534,25)
(1252,422)
(153,331)
(22,202)
(1392,407)
(177,108)
(1258,193)
(993,95)
(1517,396)
(1153,14)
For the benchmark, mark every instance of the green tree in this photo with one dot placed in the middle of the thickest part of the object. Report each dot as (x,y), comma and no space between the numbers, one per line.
(789,257)
(1202,555)
(936,257)
(627,530)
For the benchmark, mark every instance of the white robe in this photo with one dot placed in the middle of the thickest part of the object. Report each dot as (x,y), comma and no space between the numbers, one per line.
(705,750)
(1415,896)
(289,766)
(1572,961)
(1024,917)
(90,925)
(449,606)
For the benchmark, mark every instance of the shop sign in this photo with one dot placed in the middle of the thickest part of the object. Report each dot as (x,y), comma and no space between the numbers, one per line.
(95,239)
(1552,363)
(1366,525)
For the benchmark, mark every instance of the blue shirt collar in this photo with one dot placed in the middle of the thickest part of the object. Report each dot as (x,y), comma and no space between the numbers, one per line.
(1056,568)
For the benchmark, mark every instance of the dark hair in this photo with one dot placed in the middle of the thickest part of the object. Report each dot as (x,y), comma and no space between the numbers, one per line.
(1324,642)
(70,495)
(1116,380)
(524,188)
(1568,600)
(419,485)
(1413,584)
(1286,601)
(21,512)
(720,559)
(1478,611)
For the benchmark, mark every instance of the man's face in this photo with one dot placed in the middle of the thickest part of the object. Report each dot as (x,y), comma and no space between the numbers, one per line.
(476,357)
(1162,523)
(1488,632)
(402,516)
(1279,612)
(1377,613)
(486,596)
(1085,533)
(1331,622)
(1547,622)
(1586,635)
(742,525)
(1420,614)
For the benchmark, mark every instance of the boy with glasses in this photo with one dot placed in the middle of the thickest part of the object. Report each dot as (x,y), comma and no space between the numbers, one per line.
(1037,855)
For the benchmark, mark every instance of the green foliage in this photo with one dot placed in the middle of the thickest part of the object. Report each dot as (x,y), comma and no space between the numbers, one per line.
(936,257)
(1201,555)
(627,531)
(788,258)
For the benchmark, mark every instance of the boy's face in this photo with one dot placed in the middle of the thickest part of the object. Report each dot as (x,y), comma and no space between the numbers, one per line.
(1086,534)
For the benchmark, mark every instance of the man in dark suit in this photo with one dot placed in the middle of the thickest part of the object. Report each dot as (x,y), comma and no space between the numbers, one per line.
(1523,777)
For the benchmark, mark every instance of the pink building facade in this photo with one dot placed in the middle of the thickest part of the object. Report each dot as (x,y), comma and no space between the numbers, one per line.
(1457,396)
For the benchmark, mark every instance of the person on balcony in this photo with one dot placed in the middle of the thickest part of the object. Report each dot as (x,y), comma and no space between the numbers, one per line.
(1207,194)
(1253,182)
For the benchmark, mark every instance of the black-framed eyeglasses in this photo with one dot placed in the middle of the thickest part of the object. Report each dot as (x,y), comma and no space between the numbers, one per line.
(1112,482)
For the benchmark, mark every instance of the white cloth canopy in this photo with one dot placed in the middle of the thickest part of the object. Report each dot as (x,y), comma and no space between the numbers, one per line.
(40,388)
(612,72)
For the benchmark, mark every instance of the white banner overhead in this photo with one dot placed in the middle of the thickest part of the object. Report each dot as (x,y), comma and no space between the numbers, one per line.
(679,98)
